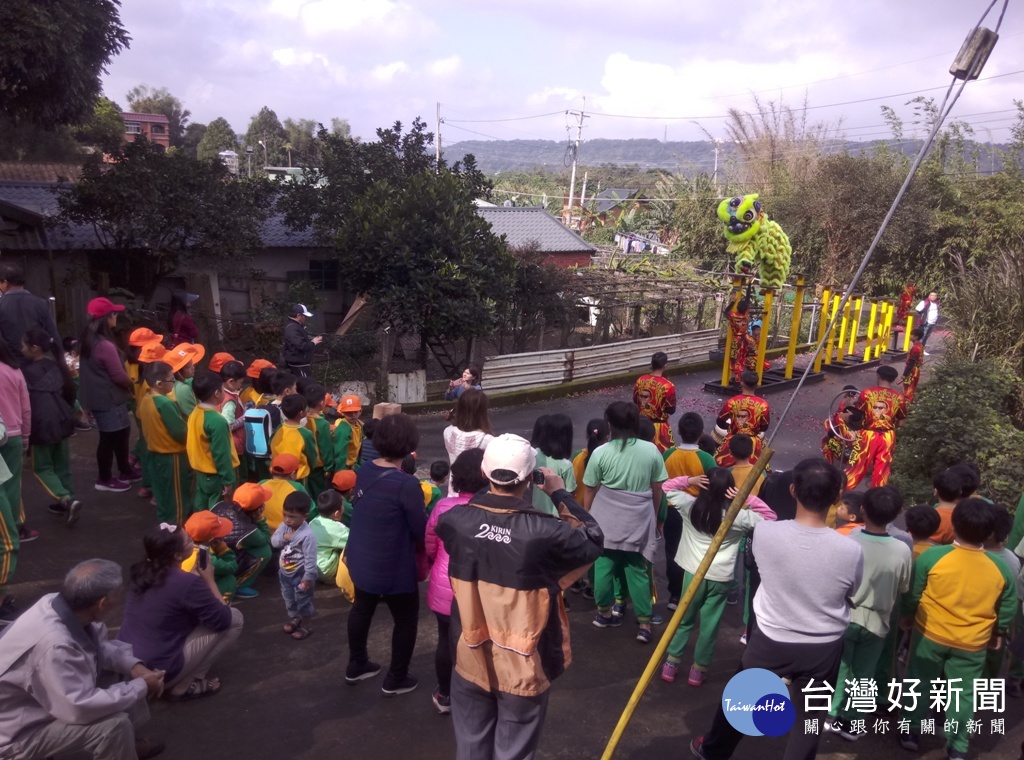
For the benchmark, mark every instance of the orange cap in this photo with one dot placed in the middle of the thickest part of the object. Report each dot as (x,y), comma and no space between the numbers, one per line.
(284,464)
(179,356)
(218,360)
(153,351)
(206,526)
(258,366)
(350,403)
(344,480)
(250,496)
(142,335)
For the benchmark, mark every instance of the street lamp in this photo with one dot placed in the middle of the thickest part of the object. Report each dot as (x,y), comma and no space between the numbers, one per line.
(248,158)
(265,162)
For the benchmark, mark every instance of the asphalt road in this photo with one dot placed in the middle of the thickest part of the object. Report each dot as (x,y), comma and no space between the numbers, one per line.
(283,698)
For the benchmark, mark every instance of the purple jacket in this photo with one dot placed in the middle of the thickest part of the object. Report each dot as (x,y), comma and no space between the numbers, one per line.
(439,592)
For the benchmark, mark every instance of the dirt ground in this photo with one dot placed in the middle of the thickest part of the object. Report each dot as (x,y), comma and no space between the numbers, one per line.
(283,698)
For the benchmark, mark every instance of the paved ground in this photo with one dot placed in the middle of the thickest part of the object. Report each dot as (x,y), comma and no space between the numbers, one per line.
(288,699)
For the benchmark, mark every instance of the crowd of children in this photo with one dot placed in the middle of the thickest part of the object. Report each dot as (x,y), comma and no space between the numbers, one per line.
(252,460)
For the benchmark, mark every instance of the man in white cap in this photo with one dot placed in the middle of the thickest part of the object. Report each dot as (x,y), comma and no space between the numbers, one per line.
(509,564)
(297,351)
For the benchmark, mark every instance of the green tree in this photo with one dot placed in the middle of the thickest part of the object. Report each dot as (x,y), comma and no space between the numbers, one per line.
(52,55)
(173,209)
(301,146)
(218,136)
(340,127)
(194,134)
(145,99)
(267,137)
(105,129)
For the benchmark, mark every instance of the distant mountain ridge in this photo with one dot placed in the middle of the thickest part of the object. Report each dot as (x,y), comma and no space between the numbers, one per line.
(690,158)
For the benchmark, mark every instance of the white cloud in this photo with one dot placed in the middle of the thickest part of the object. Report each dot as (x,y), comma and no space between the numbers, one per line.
(446,66)
(560,96)
(386,72)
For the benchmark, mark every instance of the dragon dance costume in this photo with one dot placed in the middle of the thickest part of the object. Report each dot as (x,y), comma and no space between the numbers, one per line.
(884,409)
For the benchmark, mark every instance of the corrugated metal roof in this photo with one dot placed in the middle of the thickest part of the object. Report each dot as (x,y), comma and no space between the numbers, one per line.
(522,226)
(608,199)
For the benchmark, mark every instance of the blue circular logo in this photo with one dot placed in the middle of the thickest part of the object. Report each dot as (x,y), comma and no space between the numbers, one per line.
(756,703)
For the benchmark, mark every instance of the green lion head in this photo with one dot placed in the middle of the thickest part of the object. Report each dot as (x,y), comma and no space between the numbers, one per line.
(742,217)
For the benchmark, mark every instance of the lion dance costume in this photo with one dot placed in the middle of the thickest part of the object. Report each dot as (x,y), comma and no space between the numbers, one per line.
(739,321)
(756,241)
(742,414)
(883,410)
(912,370)
(656,398)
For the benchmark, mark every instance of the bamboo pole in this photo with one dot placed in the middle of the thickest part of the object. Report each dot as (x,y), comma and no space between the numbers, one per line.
(691,590)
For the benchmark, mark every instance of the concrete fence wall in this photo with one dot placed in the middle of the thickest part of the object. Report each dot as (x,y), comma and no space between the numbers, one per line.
(514,372)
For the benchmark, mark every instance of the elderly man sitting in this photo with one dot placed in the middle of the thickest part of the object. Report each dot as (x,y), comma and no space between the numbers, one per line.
(51,660)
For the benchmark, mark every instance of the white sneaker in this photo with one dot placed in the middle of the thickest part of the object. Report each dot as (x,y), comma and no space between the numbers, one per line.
(927,354)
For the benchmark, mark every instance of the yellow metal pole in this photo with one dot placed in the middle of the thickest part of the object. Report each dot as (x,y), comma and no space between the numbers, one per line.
(855,331)
(843,330)
(868,349)
(822,326)
(832,332)
(906,335)
(882,344)
(794,326)
(734,298)
(766,321)
(691,590)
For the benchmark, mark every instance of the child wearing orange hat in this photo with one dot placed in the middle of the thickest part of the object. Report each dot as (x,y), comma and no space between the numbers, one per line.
(281,484)
(254,393)
(253,549)
(208,531)
(344,483)
(348,433)
(184,357)
(165,434)
(293,437)
(211,452)
(316,398)
(141,341)
(232,409)
(218,360)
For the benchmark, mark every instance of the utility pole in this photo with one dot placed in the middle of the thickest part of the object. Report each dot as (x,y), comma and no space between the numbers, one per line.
(714,176)
(437,138)
(580,116)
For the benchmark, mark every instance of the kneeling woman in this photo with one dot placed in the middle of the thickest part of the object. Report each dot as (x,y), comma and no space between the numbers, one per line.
(177,621)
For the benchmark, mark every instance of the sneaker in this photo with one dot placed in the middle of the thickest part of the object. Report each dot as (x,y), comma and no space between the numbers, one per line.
(607,621)
(743,638)
(837,726)
(145,493)
(82,426)
(644,635)
(27,534)
(588,593)
(696,677)
(733,598)
(392,687)
(134,476)
(910,742)
(575,588)
(114,484)
(668,671)
(673,603)
(8,611)
(657,619)
(697,748)
(58,509)
(442,702)
(955,754)
(927,354)
(356,672)
(619,609)
(74,507)
(246,593)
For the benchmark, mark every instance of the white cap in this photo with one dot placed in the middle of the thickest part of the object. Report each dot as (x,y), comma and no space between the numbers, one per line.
(511,457)
(300,308)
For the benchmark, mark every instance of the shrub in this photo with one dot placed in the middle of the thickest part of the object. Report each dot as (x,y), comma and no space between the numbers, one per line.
(967,411)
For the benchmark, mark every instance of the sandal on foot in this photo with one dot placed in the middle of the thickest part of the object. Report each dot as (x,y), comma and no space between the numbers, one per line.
(301,633)
(198,689)
(292,626)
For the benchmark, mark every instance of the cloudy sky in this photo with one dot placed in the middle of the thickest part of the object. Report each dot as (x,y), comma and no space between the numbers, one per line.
(641,68)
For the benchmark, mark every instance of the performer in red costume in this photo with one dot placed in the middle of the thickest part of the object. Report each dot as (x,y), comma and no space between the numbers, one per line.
(845,424)
(739,319)
(912,370)
(655,395)
(884,409)
(745,413)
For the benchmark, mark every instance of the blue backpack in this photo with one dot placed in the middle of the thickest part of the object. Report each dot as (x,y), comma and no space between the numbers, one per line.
(258,432)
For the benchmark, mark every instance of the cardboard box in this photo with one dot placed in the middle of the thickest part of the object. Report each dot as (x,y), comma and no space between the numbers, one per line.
(385,409)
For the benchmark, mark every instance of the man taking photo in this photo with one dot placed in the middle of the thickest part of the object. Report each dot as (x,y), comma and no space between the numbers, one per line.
(297,351)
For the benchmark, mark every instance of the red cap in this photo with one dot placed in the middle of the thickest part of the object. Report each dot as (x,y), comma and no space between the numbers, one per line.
(206,526)
(102,307)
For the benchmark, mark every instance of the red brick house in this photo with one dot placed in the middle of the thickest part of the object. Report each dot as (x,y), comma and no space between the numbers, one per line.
(154,126)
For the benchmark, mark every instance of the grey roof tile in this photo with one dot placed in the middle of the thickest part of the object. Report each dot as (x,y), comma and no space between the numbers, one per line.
(611,197)
(522,226)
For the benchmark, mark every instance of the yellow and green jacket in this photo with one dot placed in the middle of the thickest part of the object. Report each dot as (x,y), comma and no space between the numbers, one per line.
(209,444)
(960,596)
(297,441)
(321,430)
(163,428)
(273,510)
(348,439)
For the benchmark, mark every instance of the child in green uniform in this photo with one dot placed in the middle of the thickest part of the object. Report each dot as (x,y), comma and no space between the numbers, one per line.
(552,443)
(185,357)
(438,483)
(208,531)
(211,452)
(281,484)
(331,539)
(51,393)
(344,483)
(165,433)
(348,433)
(319,473)
(293,437)
(251,498)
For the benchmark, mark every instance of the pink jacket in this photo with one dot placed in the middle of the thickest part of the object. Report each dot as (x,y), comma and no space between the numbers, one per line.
(439,592)
(14,407)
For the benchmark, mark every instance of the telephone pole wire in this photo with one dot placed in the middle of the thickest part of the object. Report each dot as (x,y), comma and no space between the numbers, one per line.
(580,116)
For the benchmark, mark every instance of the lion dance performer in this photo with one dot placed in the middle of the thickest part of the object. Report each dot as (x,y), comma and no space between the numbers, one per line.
(843,427)
(884,410)
(906,301)
(656,396)
(756,241)
(912,370)
(753,340)
(745,413)
(739,320)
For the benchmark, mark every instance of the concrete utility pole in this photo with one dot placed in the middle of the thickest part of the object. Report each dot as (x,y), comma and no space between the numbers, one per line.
(714,176)
(437,137)
(580,116)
